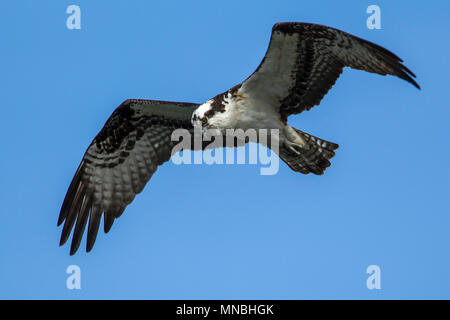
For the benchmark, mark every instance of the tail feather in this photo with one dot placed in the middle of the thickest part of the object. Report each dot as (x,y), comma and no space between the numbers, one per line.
(314,157)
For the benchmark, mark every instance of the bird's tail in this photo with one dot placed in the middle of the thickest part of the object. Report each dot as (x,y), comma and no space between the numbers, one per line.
(313,157)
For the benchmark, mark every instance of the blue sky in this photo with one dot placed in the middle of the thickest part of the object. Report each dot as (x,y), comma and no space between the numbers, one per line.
(224,231)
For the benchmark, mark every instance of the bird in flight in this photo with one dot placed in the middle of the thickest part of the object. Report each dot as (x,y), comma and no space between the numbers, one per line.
(302,62)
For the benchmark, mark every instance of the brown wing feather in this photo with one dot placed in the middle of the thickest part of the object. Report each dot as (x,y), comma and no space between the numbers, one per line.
(117,165)
(313,56)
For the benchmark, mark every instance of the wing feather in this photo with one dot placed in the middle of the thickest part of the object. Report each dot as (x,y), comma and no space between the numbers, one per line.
(121,159)
(94,223)
(304,61)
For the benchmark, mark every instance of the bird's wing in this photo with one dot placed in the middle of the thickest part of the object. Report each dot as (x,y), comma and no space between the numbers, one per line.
(304,60)
(135,140)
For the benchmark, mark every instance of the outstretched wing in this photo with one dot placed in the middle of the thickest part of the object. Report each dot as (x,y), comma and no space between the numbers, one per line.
(304,60)
(135,140)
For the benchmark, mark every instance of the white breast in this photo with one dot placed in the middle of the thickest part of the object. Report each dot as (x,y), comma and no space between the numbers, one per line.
(244,111)
(251,112)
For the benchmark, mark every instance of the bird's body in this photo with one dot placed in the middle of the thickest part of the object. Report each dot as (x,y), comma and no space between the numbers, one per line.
(240,111)
(302,63)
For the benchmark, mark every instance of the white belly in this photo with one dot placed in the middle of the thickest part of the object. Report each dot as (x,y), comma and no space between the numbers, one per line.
(260,116)
(255,114)
(249,113)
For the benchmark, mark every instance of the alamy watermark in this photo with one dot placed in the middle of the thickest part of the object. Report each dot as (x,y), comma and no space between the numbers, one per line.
(74,20)
(265,152)
(374,280)
(374,20)
(74,280)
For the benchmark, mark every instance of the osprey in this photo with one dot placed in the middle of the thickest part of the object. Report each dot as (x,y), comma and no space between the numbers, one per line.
(302,63)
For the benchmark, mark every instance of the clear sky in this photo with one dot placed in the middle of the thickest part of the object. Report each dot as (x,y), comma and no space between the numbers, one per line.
(225,231)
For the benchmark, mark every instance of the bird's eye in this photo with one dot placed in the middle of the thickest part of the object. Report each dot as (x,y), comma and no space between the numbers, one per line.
(204,121)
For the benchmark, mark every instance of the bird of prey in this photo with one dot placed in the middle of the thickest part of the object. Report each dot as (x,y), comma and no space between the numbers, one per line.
(302,62)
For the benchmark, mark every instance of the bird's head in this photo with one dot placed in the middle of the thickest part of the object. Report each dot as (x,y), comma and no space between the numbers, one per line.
(204,117)
(213,116)
(199,120)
